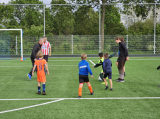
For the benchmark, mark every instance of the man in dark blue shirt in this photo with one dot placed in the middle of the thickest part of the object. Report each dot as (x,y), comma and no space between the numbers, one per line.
(107,70)
(84,69)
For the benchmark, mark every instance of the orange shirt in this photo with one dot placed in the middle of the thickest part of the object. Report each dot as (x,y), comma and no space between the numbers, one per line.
(40,67)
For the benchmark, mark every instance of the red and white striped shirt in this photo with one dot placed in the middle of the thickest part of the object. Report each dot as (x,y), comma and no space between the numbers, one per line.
(45,47)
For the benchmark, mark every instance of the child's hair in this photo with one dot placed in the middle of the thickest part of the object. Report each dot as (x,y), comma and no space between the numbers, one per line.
(101,54)
(40,54)
(106,55)
(83,56)
(116,38)
(121,39)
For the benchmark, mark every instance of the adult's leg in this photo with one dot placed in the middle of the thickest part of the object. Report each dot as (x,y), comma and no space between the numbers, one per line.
(121,64)
(32,60)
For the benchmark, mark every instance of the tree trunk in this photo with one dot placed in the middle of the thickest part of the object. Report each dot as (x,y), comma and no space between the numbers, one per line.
(102,25)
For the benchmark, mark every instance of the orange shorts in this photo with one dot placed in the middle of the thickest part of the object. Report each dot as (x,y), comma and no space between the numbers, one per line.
(41,78)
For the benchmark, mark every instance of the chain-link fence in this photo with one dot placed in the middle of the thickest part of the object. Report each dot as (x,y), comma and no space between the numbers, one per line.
(76,44)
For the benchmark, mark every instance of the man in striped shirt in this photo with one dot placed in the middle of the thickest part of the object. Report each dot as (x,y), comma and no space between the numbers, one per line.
(46,49)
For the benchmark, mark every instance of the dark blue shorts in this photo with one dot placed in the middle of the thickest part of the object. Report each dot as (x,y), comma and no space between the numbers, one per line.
(109,75)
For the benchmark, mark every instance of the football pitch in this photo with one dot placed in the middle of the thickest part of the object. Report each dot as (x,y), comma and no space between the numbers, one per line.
(136,98)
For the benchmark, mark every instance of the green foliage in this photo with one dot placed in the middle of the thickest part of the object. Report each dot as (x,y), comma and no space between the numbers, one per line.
(89,23)
(142,28)
(112,22)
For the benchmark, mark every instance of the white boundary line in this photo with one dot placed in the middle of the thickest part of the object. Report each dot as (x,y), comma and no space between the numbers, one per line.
(30,106)
(105,98)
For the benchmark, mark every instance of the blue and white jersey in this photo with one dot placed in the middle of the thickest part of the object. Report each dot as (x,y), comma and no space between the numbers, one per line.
(84,68)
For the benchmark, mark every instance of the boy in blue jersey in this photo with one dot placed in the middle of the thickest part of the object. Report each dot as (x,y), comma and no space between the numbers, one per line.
(84,69)
(107,70)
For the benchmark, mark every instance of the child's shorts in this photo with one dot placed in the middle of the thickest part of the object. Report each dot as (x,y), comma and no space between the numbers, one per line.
(41,78)
(83,78)
(109,75)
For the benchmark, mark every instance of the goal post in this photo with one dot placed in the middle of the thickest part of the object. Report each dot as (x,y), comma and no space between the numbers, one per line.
(20,38)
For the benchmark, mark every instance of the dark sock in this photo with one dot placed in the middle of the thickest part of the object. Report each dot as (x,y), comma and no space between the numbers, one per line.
(39,89)
(44,87)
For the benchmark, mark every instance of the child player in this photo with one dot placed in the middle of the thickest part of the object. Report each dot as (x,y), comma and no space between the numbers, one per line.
(84,69)
(100,62)
(107,70)
(40,63)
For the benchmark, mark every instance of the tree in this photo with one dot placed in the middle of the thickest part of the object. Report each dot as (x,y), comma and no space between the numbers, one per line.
(112,23)
(86,21)
(63,18)
(28,15)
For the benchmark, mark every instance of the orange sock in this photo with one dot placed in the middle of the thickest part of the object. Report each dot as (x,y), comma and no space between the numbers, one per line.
(80,89)
(89,87)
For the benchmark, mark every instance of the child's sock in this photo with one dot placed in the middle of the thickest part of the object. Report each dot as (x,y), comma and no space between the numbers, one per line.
(89,87)
(39,89)
(43,87)
(80,89)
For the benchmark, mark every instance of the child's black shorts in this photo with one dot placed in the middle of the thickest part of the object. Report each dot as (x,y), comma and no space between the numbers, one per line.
(109,75)
(83,78)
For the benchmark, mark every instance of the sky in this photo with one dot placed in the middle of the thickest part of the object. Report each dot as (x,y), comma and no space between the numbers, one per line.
(44,1)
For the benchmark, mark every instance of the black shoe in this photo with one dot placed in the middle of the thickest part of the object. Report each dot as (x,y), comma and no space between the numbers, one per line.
(92,93)
(111,89)
(39,93)
(118,79)
(79,97)
(158,67)
(106,88)
(44,93)
(158,86)
(121,80)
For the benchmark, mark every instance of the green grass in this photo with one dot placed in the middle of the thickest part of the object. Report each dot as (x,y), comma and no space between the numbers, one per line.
(141,80)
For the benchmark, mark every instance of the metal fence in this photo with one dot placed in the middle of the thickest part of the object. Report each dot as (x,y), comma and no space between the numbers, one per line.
(90,44)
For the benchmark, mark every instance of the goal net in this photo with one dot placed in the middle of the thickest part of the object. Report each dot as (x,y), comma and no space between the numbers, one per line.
(11,43)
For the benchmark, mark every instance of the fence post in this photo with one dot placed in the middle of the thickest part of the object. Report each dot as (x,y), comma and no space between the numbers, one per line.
(154,29)
(44,19)
(127,41)
(99,28)
(72,43)
(16,44)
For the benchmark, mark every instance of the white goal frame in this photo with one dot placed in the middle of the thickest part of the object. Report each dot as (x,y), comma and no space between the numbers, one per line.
(20,37)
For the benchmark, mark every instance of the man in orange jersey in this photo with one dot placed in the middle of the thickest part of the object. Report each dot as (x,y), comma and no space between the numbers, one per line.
(40,63)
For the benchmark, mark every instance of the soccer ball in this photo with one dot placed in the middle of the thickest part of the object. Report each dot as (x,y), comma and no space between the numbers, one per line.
(99,78)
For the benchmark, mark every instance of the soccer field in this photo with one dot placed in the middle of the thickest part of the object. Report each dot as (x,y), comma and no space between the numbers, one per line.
(136,98)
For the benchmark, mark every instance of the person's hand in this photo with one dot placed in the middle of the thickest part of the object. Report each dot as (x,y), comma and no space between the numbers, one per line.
(32,74)
(48,72)
(49,54)
(127,58)
(91,76)
(103,73)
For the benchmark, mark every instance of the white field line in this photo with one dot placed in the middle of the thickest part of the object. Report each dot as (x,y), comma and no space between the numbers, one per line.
(105,98)
(30,106)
